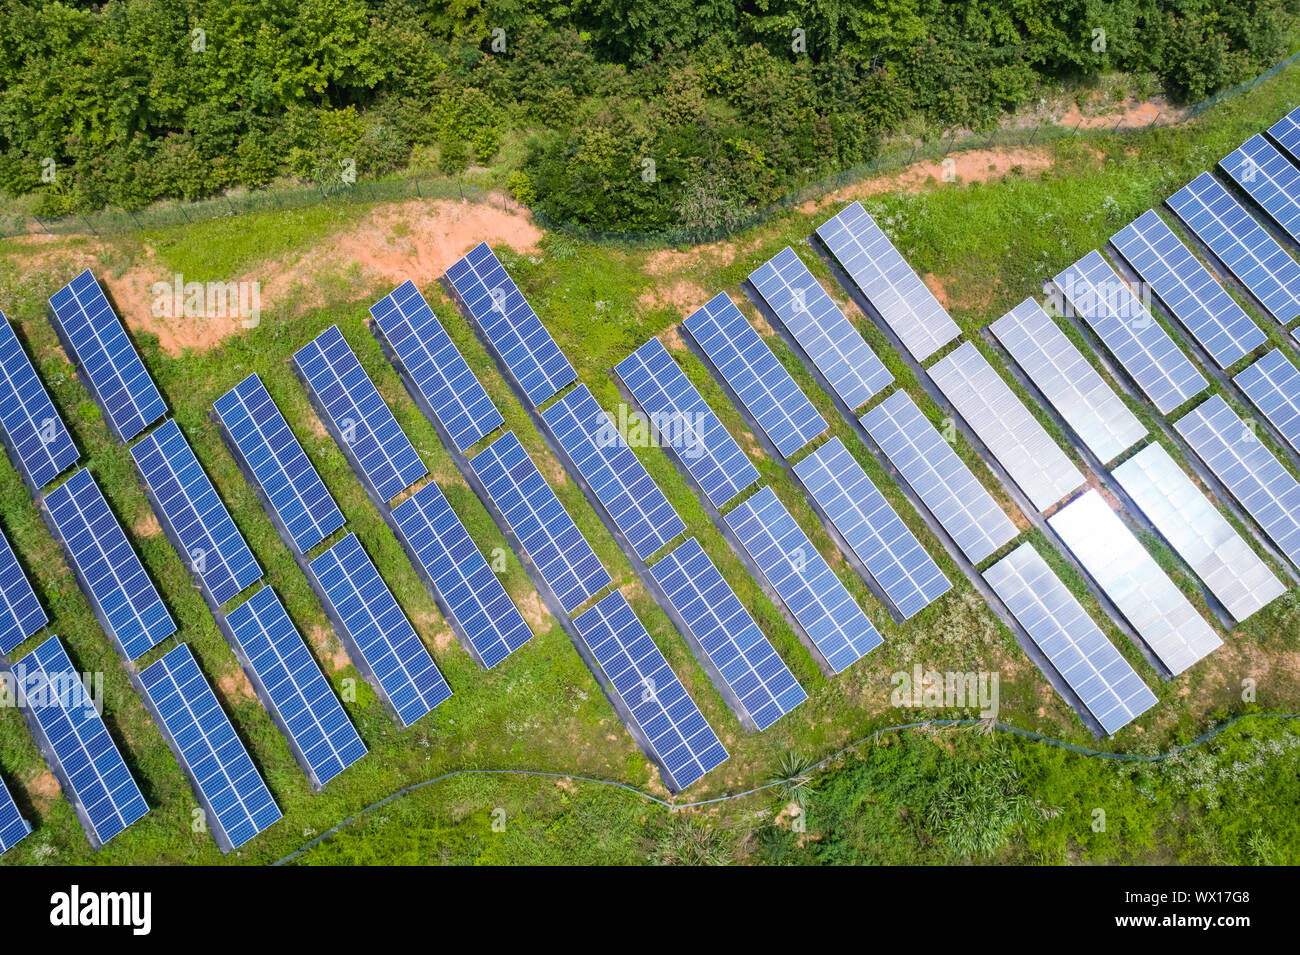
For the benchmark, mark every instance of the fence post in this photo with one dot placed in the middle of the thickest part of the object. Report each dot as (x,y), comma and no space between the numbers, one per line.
(1035,135)
(89,226)
(181,206)
(1153,119)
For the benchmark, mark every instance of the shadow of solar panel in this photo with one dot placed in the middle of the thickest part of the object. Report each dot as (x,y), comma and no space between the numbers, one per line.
(513,328)
(1287,133)
(101,347)
(209,750)
(35,431)
(1273,386)
(13,827)
(682,742)
(761,382)
(803,580)
(1269,178)
(109,570)
(613,472)
(21,614)
(462,577)
(358,416)
(1075,646)
(435,365)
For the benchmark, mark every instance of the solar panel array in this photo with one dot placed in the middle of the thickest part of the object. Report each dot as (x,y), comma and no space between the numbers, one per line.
(35,431)
(111,573)
(1144,594)
(101,347)
(1035,462)
(278,463)
(1273,386)
(1287,132)
(359,417)
(743,657)
(1248,469)
(13,827)
(210,751)
(87,760)
(1074,645)
(838,349)
(803,580)
(685,745)
(544,528)
(943,482)
(511,325)
(613,472)
(435,365)
(1198,532)
(379,631)
(1240,243)
(758,379)
(21,614)
(890,552)
(1188,289)
(683,421)
(473,593)
(323,737)
(1071,385)
(1269,178)
(907,306)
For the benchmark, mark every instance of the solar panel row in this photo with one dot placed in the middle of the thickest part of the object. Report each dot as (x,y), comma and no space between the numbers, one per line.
(1273,386)
(13,827)
(1287,133)
(1269,178)
(35,432)
(21,613)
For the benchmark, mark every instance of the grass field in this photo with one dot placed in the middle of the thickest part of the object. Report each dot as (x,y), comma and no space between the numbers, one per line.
(988,246)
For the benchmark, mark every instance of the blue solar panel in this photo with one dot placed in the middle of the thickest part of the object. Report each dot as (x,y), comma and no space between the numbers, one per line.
(211,545)
(1188,290)
(511,325)
(278,463)
(323,738)
(1287,132)
(890,552)
(684,744)
(1273,386)
(1269,178)
(613,472)
(110,572)
(435,365)
(803,580)
(761,382)
(86,760)
(21,614)
(13,827)
(209,750)
(35,431)
(545,530)
(101,347)
(360,420)
(838,349)
(1241,243)
(683,421)
(472,592)
(743,657)
(385,640)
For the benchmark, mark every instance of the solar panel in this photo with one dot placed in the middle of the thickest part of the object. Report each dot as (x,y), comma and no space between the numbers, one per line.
(1074,645)
(1248,469)
(946,486)
(235,799)
(110,573)
(435,365)
(1035,462)
(1144,594)
(761,382)
(86,761)
(278,464)
(802,579)
(826,336)
(1273,386)
(681,739)
(1188,289)
(683,421)
(13,827)
(890,552)
(516,333)
(99,344)
(1287,132)
(1269,178)
(21,614)
(1073,387)
(544,528)
(360,421)
(324,740)
(1240,243)
(894,290)
(462,578)
(730,638)
(613,472)
(35,432)
(1198,532)
(381,641)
